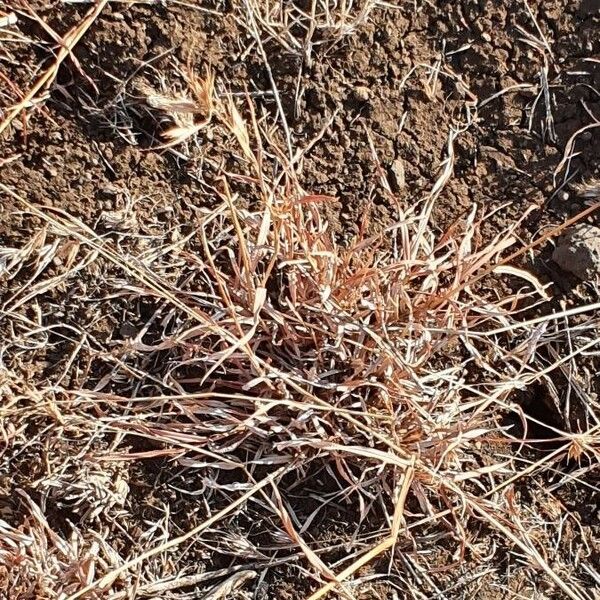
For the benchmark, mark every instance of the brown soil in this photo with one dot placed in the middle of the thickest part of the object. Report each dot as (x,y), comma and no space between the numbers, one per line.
(384,102)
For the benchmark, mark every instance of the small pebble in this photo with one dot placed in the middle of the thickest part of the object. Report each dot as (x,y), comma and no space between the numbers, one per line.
(50,171)
(362,93)
(398,175)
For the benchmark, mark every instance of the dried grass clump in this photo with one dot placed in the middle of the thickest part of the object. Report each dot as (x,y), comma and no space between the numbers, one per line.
(372,376)
(36,561)
(589,188)
(301,28)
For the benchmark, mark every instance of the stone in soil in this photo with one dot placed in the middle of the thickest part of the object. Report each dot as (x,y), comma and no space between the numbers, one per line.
(578,251)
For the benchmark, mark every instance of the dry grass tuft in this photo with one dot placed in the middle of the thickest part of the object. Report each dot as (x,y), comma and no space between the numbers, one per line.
(283,375)
(322,24)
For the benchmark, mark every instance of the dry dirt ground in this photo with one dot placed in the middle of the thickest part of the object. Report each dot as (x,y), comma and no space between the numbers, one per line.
(373,106)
